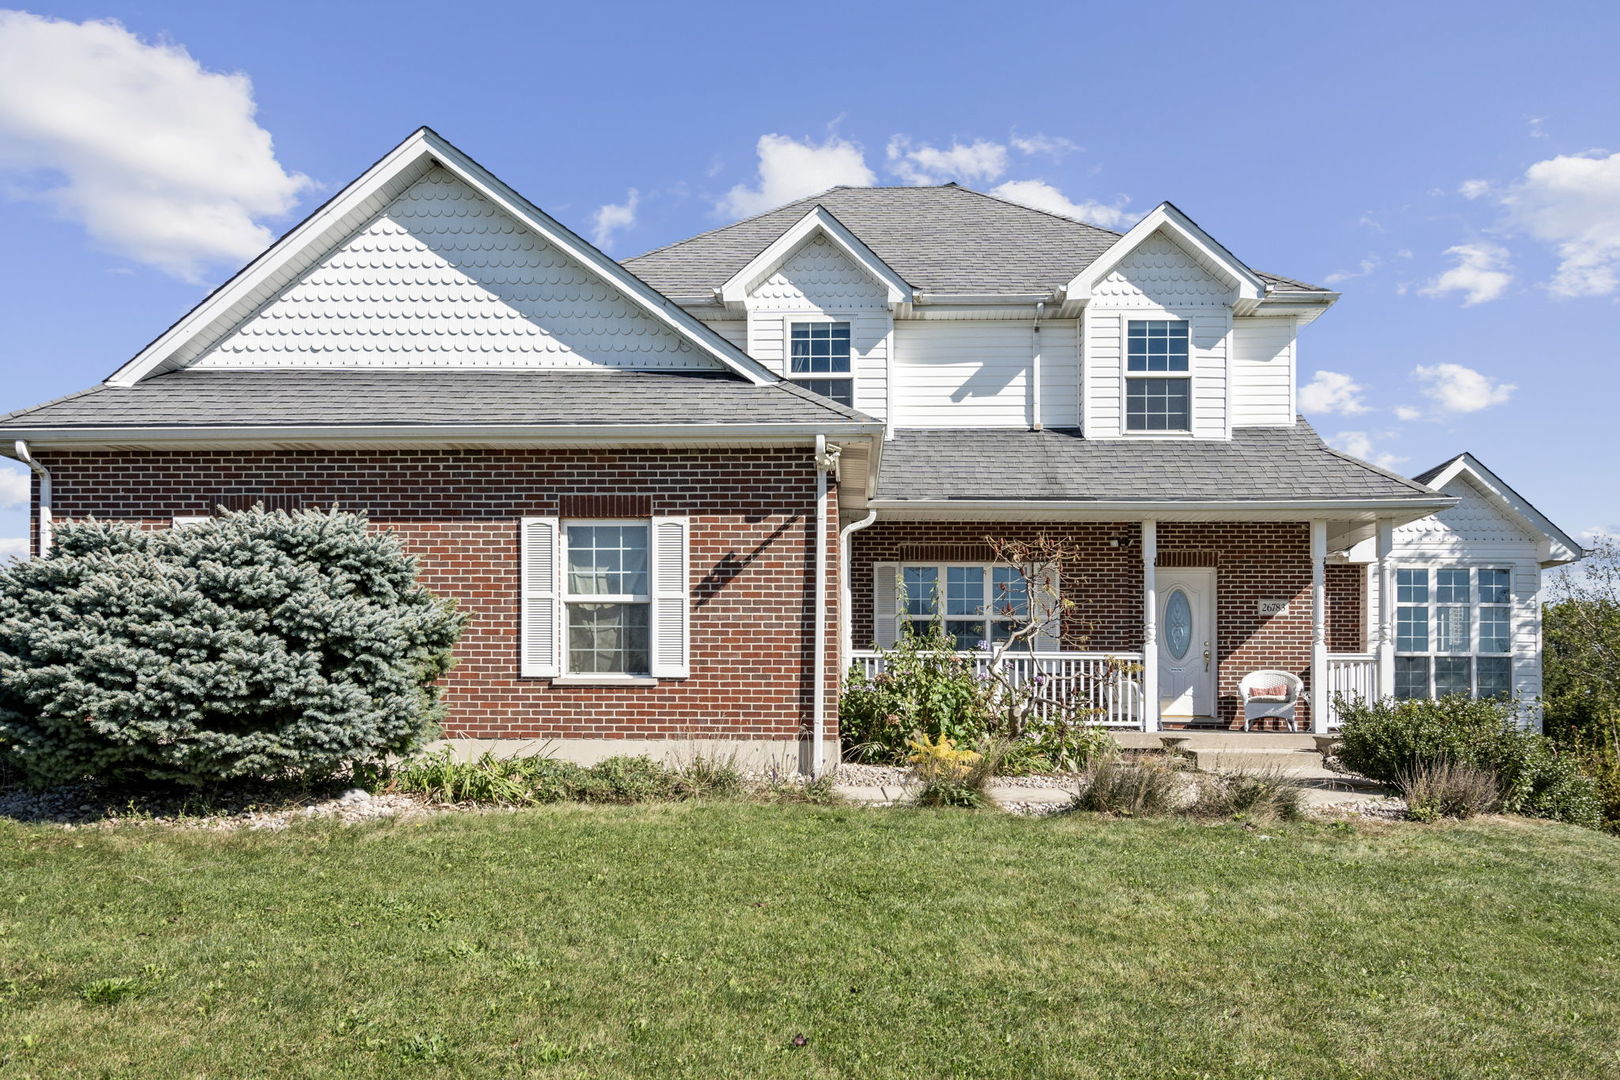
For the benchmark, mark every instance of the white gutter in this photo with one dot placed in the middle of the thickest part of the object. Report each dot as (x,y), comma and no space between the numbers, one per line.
(44,475)
(818,633)
(515,434)
(986,299)
(1156,507)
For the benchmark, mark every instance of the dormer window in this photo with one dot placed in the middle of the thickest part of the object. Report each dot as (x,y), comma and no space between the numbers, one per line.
(819,360)
(1158,391)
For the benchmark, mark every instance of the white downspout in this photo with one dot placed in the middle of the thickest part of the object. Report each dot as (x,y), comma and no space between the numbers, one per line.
(846,593)
(1035,371)
(818,636)
(44,475)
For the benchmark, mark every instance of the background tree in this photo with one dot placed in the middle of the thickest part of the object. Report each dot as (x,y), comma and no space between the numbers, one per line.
(1581,627)
(254,644)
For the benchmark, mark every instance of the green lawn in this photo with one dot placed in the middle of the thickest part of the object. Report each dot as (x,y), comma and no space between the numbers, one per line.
(698,940)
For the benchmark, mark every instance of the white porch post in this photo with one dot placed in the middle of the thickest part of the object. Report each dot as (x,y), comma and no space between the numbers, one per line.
(1385,687)
(1150,626)
(1321,697)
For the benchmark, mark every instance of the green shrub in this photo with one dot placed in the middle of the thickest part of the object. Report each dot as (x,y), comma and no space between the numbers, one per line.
(1387,741)
(1264,795)
(627,780)
(950,777)
(252,645)
(1130,788)
(1452,789)
(924,688)
(1597,749)
(706,777)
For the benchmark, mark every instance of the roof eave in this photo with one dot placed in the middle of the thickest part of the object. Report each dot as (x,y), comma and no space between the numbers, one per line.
(161,436)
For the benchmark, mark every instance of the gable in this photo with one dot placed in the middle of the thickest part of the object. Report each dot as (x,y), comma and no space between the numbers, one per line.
(1158,272)
(818,275)
(442,276)
(1476,519)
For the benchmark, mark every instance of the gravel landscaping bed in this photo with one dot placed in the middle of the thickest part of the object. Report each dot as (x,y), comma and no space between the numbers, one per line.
(83,805)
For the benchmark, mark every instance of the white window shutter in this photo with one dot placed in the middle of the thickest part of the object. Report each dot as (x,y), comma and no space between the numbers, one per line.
(671,597)
(1046,609)
(885,604)
(540,621)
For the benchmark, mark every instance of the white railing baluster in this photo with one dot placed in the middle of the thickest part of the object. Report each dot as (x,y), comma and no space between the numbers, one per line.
(1114,699)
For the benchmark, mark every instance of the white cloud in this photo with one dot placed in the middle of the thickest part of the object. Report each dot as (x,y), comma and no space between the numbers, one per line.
(13,547)
(1458,389)
(1367,266)
(1047,145)
(1599,534)
(1359,444)
(977,162)
(614,218)
(1332,392)
(159,159)
(14,488)
(1407,412)
(1573,203)
(1474,189)
(1043,196)
(790,169)
(1482,274)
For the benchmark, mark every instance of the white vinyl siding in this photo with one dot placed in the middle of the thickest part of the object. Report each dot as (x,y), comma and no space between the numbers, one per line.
(442,277)
(820,282)
(1158,281)
(1263,372)
(973,373)
(1475,534)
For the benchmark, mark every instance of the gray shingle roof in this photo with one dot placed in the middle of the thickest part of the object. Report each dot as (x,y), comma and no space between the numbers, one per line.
(1006,464)
(946,239)
(294,397)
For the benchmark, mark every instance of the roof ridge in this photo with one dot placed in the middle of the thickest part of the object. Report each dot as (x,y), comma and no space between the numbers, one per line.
(740,221)
(1035,209)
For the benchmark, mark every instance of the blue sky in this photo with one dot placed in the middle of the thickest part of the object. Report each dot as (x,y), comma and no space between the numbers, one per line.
(1454,169)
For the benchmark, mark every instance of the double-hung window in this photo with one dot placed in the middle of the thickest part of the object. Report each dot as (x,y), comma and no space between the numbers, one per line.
(607,591)
(974,603)
(605,600)
(818,359)
(1158,387)
(1453,632)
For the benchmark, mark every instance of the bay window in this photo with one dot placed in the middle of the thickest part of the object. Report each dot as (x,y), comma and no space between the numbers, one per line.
(1453,632)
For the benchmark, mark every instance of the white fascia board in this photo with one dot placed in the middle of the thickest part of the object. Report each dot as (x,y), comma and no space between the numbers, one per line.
(425,147)
(558,435)
(1167,218)
(1187,509)
(1558,548)
(819,220)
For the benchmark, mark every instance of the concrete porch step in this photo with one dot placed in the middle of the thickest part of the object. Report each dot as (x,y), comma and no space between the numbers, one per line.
(1294,762)
(1216,740)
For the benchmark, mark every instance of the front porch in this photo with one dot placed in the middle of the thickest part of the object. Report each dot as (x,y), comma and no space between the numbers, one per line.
(1115,697)
(1190,608)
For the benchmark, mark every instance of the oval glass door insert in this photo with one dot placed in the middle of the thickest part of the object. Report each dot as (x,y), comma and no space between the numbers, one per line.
(1178,624)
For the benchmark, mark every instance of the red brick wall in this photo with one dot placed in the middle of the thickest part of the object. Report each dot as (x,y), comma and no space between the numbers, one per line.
(1346,607)
(753,514)
(1253,562)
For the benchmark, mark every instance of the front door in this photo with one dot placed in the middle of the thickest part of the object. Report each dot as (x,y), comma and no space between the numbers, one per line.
(1186,644)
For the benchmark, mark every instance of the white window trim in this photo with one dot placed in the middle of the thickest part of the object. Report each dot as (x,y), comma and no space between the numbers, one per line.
(1432,569)
(819,317)
(1126,375)
(564,598)
(989,615)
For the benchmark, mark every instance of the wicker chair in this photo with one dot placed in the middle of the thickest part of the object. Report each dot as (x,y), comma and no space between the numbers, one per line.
(1258,705)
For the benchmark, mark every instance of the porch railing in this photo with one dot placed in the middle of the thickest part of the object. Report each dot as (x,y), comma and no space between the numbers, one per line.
(1350,675)
(1073,679)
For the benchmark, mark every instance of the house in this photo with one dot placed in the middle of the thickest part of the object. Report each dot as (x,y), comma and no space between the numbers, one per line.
(681,494)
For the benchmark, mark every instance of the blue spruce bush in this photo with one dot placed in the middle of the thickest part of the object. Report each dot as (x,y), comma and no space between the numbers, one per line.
(253,645)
